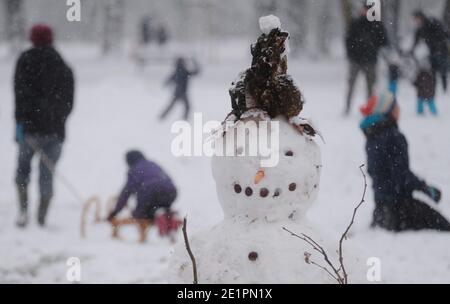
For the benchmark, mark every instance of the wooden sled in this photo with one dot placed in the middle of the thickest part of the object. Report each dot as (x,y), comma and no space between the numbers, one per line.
(142,225)
(94,202)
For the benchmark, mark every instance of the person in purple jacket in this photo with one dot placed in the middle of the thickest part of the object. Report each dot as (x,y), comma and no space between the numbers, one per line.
(153,188)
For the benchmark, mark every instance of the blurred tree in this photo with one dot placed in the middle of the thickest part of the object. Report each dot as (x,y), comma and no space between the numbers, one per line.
(113,25)
(391,16)
(14,23)
(266,7)
(322,17)
(296,11)
(346,7)
(202,13)
(447,14)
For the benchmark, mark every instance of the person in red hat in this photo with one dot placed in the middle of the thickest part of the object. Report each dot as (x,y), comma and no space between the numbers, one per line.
(388,166)
(41,35)
(44,93)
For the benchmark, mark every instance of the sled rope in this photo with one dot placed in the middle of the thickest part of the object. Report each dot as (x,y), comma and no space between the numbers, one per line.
(51,166)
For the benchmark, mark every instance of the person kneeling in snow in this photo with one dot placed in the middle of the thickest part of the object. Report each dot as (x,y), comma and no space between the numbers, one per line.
(154,191)
(393,182)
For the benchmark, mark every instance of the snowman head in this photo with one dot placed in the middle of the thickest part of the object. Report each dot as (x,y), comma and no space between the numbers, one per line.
(284,191)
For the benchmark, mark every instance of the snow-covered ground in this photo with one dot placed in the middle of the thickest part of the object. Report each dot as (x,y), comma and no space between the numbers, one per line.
(117,106)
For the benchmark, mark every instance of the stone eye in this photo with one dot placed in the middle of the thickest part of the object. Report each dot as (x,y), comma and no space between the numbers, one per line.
(289,153)
(237,188)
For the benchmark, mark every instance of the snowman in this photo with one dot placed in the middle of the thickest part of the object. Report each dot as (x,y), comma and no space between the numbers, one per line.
(260,193)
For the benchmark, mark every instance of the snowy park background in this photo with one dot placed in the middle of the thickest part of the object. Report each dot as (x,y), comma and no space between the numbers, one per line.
(116,109)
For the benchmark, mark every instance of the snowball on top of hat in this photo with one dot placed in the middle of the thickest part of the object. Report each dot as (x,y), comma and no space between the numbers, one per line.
(269,23)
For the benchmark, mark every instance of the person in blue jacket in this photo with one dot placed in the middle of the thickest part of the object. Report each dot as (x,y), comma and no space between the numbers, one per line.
(388,166)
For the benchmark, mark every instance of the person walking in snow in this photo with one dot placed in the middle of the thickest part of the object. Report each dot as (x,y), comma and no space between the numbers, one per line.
(425,84)
(180,79)
(393,182)
(153,188)
(44,94)
(436,37)
(364,40)
(162,36)
(146,30)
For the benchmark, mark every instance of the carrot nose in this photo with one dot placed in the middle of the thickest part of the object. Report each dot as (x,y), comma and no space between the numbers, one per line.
(259,176)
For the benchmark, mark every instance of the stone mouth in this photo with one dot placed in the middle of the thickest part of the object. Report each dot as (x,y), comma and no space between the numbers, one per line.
(263,192)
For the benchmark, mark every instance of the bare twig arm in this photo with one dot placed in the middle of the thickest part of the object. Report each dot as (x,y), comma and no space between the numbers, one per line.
(337,273)
(344,235)
(188,248)
(326,270)
(336,276)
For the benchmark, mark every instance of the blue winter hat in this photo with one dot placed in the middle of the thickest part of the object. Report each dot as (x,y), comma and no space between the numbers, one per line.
(386,103)
(380,105)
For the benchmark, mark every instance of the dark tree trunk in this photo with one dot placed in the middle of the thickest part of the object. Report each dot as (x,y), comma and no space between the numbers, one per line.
(296,12)
(265,7)
(14,23)
(113,25)
(390,17)
(346,7)
(447,14)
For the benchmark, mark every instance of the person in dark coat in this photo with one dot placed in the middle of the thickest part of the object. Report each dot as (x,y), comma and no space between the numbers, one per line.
(146,30)
(180,79)
(393,182)
(436,37)
(162,36)
(153,188)
(425,84)
(364,40)
(44,94)
(394,76)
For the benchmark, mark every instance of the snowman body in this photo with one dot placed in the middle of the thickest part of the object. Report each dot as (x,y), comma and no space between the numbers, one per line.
(250,244)
(248,252)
